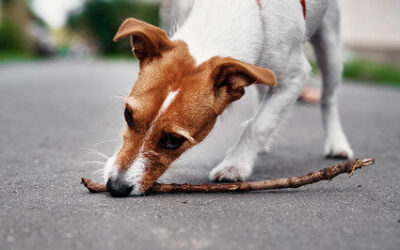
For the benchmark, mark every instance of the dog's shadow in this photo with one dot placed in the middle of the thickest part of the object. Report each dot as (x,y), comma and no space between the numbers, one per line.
(270,166)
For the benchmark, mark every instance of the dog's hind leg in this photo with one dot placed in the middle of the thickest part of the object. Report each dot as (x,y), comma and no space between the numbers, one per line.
(327,46)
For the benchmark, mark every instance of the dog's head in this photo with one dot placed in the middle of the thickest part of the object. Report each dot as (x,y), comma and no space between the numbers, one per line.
(173,105)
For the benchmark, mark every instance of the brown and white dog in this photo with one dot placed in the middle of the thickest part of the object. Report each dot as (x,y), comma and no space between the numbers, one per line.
(187,81)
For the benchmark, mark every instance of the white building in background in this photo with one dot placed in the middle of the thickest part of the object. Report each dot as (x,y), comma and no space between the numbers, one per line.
(372,28)
(371,23)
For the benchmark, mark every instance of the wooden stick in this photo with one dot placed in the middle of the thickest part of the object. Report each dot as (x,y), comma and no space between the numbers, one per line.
(291,182)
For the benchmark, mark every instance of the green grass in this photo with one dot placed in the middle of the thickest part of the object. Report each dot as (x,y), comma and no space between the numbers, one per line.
(16,56)
(357,69)
(362,70)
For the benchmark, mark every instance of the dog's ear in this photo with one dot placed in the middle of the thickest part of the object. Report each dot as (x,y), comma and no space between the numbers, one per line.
(230,76)
(147,40)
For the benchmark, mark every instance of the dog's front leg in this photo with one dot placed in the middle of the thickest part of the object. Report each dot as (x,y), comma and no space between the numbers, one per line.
(239,160)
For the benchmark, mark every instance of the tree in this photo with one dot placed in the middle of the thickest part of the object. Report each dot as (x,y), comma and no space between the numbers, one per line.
(101,19)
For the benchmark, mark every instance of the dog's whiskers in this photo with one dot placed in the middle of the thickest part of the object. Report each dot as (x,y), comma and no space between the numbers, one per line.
(91,162)
(95,152)
(114,140)
(118,97)
(98,171)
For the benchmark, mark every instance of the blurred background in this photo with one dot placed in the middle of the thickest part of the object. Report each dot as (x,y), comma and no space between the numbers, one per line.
(32,30)
(61,116)
(39,29)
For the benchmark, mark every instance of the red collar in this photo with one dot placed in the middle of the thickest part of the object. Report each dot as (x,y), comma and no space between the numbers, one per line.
(302,2)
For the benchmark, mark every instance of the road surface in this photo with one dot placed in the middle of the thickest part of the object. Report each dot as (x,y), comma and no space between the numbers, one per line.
(51,112)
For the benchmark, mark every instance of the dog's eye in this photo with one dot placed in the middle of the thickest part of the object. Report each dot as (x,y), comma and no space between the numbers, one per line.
(171,141)
(129,117)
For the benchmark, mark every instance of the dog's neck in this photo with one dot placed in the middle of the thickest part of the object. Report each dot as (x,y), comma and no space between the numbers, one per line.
(223,28)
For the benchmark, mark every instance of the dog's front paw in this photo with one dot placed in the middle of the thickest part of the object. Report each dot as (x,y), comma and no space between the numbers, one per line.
(229,172)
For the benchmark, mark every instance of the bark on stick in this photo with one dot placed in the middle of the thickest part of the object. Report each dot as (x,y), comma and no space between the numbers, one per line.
(281,183)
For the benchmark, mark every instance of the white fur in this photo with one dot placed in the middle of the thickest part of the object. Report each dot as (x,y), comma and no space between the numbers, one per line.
(132,102)
(173,13)
(135,172)
(170,97)
(272,37)
(224,28)
(109,167)
(183,132)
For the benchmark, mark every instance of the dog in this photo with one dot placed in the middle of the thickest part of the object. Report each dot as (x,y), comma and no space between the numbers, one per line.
(185,82)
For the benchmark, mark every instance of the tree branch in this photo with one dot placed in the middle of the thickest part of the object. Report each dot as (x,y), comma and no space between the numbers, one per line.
(291,182)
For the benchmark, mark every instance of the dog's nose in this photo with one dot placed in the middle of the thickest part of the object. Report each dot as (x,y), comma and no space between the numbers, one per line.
(118,188)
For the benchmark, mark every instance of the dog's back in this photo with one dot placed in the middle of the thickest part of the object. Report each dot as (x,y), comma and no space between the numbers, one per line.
(173,13)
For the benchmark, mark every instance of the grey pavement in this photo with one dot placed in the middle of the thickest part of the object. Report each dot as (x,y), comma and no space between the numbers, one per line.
(50,112)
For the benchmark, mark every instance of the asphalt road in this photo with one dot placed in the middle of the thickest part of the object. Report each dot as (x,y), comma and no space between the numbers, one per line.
(51,111)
